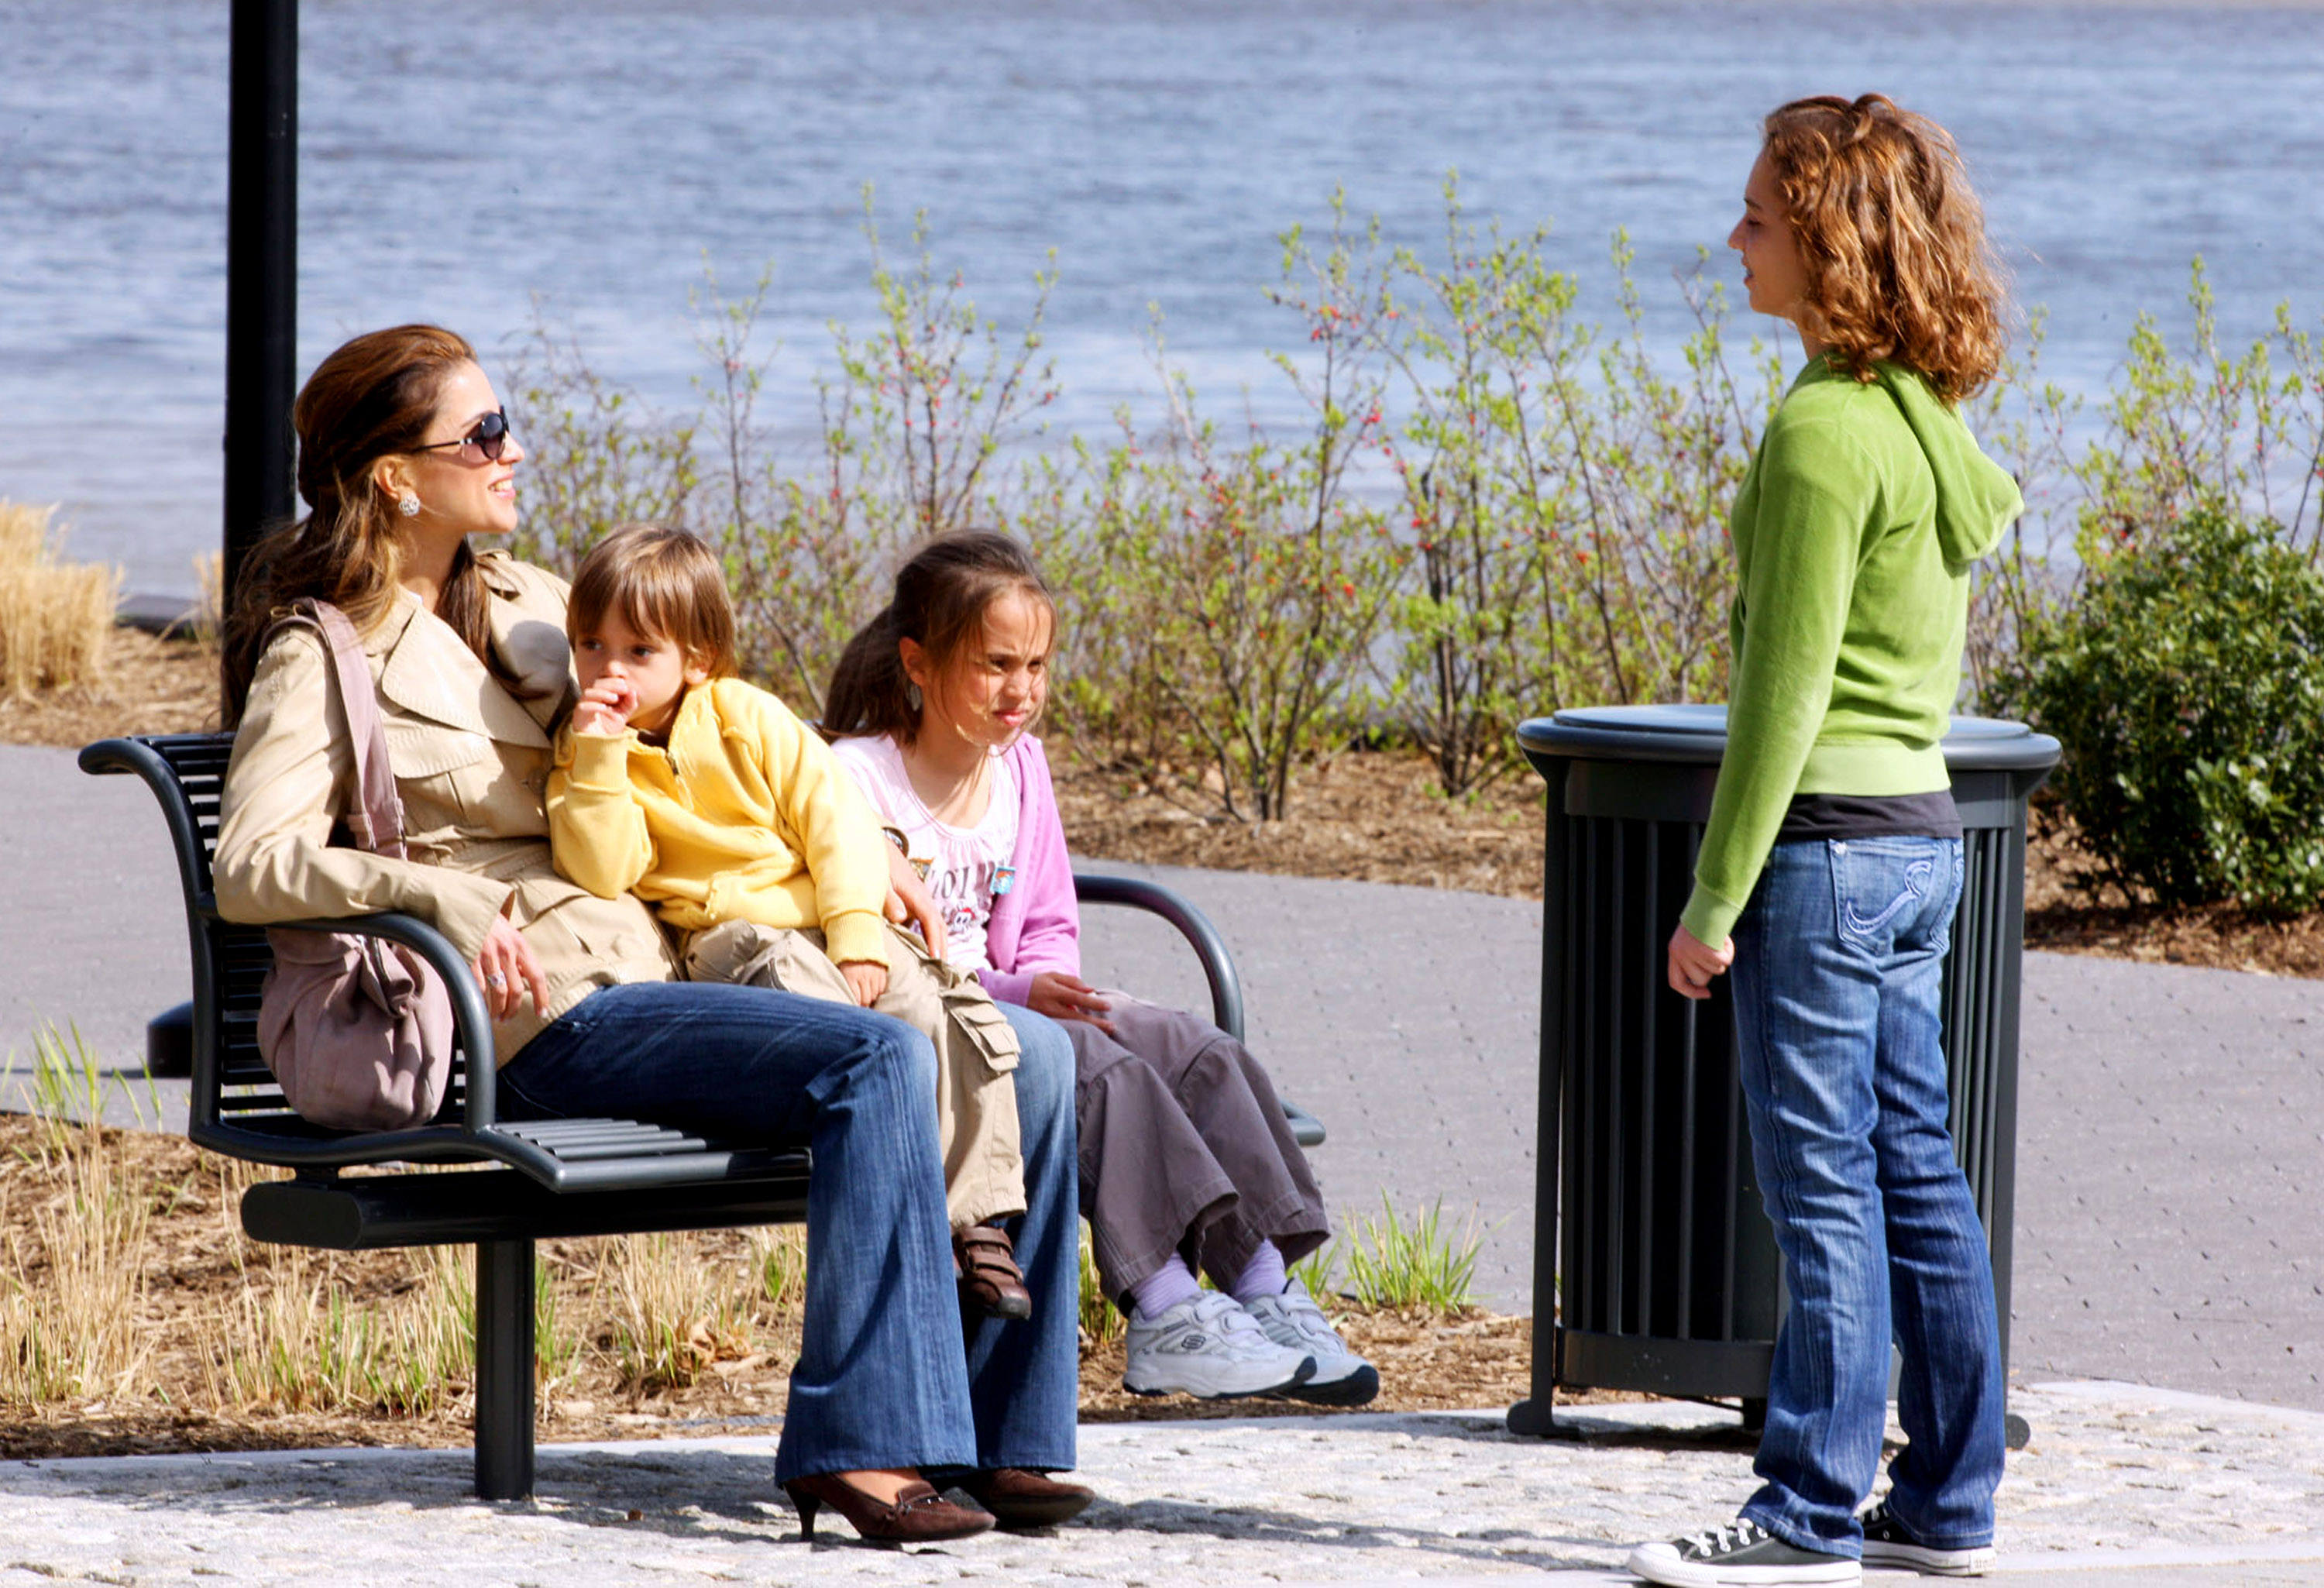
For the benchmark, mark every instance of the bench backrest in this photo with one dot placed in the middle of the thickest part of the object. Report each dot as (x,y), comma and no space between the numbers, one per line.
(236,1107)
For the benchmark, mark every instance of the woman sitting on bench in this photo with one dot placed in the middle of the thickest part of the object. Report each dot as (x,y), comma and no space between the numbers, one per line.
(403,453)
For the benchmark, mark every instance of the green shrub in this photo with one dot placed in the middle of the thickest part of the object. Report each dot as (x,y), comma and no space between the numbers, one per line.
(598,458)
(1486,508)
(910,424)
(2186,685)
(2198,420)
(1220,591)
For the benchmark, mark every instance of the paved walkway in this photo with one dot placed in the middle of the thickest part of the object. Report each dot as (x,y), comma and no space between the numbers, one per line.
(2171,1140)
(2171,1131)
(2123,1486)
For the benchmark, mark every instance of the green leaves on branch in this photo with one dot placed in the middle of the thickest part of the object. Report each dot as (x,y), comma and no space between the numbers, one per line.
(1221,596)
(909,423)
(2177,652)
(1565,500)
(1488,508)
(2211,427)
(596,457)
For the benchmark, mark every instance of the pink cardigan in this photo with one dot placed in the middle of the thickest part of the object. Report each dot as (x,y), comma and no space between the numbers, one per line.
(1036,925)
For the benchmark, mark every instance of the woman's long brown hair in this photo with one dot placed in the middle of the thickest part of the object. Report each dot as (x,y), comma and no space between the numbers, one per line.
(371,399)
(1893,239)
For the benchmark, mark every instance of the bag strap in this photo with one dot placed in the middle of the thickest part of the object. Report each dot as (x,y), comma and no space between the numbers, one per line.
(377,822)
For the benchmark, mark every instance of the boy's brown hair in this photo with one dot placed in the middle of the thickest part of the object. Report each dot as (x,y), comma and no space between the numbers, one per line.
(660,580)
(1893,238)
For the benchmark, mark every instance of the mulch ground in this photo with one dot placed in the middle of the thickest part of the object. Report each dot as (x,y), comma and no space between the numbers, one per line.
(1370,816)
(198,1268)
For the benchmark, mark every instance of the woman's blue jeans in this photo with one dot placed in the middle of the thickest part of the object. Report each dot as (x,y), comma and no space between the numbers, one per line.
(884,1378)
(1837,965)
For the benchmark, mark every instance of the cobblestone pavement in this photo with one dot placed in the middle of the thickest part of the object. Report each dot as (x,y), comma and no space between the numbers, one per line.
(2120,1484)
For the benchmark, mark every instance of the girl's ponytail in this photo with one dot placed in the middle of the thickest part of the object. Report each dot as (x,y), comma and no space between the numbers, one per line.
(942,594)
(867,691)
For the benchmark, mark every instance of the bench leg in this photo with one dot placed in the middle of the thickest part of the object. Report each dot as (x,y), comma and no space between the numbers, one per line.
(505,1369)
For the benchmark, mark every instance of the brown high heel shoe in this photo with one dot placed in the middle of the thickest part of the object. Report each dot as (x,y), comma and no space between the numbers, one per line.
(1021,1497)
(989,1278)
(919,1515)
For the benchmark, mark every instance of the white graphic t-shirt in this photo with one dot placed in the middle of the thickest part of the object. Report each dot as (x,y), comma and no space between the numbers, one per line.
(966,867)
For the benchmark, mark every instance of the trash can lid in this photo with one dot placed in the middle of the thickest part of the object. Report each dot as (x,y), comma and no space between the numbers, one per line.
(1698,733)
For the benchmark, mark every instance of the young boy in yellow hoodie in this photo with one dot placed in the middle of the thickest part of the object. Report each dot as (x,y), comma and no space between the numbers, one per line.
(713,803)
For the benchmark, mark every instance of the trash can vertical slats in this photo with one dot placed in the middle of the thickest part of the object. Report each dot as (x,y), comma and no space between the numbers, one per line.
(1655,1266)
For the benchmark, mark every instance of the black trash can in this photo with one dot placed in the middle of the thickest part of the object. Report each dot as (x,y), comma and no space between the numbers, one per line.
(1651,1252)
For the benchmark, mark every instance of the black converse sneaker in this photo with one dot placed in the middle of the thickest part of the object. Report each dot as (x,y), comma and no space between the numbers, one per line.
(1739,1554)
(1886,1544)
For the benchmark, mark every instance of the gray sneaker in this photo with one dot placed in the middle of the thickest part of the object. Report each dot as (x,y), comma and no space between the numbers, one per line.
(1737,1556)
(1293,1320)
(1886,1544)
(1211,1349)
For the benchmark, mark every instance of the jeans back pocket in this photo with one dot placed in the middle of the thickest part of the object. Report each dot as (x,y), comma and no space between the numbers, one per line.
(1879,883)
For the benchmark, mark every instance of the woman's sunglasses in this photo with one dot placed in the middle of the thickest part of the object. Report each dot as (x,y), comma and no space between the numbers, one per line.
(490,438)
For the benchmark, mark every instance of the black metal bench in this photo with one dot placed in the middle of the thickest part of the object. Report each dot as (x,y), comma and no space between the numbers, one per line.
(565,1178)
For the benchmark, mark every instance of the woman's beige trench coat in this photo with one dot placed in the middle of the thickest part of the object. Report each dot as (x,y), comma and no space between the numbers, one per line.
(471,762)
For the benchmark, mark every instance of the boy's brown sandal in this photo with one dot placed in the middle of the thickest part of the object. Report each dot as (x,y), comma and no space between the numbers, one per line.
(989,1279)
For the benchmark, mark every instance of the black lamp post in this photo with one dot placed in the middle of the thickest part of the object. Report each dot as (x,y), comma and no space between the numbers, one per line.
(261,329)
(262,274)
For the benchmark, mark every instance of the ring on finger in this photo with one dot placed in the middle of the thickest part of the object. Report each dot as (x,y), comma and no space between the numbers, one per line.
(496,981)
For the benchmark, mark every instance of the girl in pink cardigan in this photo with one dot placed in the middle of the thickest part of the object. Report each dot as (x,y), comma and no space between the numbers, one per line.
(1186,1160)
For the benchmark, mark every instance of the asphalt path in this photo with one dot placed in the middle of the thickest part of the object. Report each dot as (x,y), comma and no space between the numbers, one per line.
(2171,1118)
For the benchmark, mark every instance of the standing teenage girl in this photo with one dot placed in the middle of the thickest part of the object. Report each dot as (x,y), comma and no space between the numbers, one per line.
(1186,1160)
(1832,861)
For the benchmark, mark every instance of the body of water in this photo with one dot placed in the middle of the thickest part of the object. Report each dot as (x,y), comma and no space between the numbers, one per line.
(457,161)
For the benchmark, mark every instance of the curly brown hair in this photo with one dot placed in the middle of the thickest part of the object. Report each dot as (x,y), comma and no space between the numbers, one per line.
(1892,238)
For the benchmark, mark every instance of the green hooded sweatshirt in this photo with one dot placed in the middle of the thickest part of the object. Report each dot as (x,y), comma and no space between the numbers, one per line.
(1854,531)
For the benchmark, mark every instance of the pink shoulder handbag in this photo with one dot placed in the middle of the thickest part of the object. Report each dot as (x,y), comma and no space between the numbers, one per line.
(357,1031)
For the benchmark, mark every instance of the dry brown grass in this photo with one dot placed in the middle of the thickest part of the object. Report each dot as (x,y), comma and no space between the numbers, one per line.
(135,1316)
(129,1292)
(55,617)
(75,1274)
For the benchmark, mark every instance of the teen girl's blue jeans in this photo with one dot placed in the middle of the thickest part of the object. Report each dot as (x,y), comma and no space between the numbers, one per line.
(1837,965)
(884,1377)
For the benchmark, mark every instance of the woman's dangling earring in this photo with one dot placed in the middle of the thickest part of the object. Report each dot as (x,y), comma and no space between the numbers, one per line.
(408,504)
(912,696)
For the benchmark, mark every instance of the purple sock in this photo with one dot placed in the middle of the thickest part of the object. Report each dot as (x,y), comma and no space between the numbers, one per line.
(1163,1288)
(1261,1276)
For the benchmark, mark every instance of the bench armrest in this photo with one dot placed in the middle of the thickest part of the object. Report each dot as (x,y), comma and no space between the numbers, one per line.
(1210,948)
(471,1022)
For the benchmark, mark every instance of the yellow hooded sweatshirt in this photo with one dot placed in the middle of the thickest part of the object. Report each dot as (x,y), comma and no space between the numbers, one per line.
(746,815)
